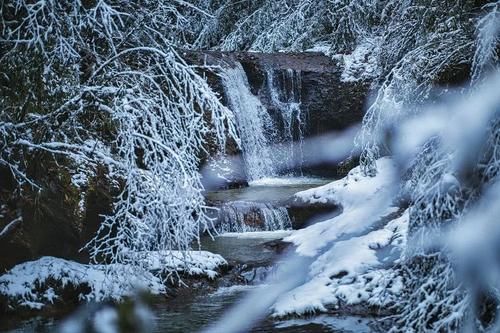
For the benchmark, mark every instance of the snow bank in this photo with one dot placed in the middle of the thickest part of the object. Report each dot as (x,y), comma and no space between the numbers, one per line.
(321,47)
(351,272)
(37,283)
(33,284)
(352,251)
(360,198)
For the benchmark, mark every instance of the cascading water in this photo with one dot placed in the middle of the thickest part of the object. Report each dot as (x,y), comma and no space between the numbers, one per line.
(243,216)
(284,88)
(260,131)
(270,141)
(253,121)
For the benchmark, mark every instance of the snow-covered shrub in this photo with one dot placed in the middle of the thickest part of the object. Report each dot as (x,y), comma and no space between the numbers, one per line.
(291,25)
(419,40)
(449,175)
(50,280)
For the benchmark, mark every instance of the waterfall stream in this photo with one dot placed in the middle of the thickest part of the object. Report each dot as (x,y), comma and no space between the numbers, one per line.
(253,121)
(271,141)
(284,88)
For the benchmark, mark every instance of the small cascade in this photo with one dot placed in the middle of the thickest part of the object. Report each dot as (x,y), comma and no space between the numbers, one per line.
(285,91)
(254,124)
(243,216)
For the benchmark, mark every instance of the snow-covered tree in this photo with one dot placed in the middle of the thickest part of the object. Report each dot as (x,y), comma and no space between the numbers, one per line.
(105,86)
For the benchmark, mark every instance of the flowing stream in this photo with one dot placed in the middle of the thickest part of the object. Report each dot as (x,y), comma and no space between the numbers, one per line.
(197,313)
(259,207)
(284,87)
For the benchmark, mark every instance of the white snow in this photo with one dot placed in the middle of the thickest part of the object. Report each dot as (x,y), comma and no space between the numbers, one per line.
(321,47)
(31,283)
(277,234)
(27,282)
(79,179)
(353,269)
(350,272)
(362,199)
(361,64)
(290,181)
(190,262)
(233,289)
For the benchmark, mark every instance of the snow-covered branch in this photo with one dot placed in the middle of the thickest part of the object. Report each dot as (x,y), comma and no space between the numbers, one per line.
(10,227)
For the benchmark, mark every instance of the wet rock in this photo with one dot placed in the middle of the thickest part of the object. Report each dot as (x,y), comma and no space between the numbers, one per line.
(245,216)
(303,214)
(347,165)
(278,246)
(50,222)
(54,223)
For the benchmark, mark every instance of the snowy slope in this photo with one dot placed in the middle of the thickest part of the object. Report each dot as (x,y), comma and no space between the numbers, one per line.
(353,251)
(364,201)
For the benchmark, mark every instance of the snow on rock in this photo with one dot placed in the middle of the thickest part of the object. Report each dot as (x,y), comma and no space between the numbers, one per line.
(37,283)
(361,64)
(321,47)
(276,234)
(353,252)
(360,197)
(191,262)
(31,284)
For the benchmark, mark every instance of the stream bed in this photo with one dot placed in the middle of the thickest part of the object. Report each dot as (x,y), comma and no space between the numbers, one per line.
(192,312)
(202,310)
(268,189)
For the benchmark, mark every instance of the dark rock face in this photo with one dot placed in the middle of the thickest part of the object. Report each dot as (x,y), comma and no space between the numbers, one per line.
(49,219)
(303,214)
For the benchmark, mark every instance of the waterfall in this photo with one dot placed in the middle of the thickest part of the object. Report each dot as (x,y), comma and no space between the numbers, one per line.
(253,121)
(242,216)
(271,141)
(284,88)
